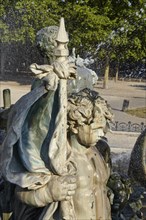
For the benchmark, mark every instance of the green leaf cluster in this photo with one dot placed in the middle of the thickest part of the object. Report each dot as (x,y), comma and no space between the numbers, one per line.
(20,20)
(110,28)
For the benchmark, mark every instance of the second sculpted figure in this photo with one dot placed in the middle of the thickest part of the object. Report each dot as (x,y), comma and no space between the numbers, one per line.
(85,183)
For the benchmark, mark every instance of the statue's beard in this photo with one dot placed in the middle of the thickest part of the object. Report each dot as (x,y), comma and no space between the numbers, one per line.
(89,137)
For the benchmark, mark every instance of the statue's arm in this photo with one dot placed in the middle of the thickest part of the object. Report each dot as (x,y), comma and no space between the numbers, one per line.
(57,189)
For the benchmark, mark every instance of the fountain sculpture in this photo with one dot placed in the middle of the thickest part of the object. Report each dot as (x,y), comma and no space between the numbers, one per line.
(52,158)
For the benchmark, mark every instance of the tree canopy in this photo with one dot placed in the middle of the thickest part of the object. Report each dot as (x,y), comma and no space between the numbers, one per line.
(22,19)
(102,28)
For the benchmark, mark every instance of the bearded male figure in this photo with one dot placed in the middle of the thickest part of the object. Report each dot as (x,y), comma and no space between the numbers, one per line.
(88,115)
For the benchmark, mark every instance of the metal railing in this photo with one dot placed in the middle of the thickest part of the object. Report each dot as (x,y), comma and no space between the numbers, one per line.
(128,127)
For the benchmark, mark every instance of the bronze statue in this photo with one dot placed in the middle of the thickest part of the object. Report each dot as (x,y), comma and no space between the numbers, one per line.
(49,153)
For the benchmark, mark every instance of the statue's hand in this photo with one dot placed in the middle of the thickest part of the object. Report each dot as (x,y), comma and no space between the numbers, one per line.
(50,81)
(46,74)
(41,70)
(65,70)
(62,188)
(72,71)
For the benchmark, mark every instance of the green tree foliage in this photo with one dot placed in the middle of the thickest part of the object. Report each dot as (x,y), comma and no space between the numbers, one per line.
(103,28)
(86,24)
(117,26)
(128,38)
(21,19)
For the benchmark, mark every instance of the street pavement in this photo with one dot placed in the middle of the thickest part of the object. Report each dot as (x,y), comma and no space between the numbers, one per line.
(135,92)
(117,92)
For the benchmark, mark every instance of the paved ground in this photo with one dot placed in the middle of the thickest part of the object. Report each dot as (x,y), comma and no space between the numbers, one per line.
(17,90)
(135,92)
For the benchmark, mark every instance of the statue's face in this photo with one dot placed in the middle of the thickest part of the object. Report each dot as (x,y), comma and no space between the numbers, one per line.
(88,117)
(88,135)
(87,121)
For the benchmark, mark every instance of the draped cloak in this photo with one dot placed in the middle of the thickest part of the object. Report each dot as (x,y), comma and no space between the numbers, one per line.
(34,147)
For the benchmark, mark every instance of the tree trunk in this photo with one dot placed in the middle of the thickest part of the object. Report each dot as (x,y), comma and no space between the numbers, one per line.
(4,50)
(117,72)
(106,73)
